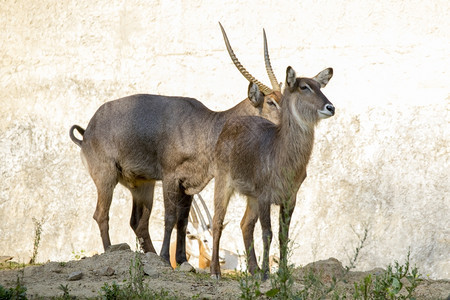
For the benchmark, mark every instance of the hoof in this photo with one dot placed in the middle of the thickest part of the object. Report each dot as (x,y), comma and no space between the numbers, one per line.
(216,276)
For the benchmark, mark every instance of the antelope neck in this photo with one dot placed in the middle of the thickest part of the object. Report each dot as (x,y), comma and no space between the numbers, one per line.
(295,135)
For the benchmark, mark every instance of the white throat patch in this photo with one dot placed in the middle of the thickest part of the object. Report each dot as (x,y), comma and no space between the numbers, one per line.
(297,117)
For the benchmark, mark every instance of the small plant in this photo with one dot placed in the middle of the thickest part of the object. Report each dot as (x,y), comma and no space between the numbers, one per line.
(362,240)
(112,292)
(315,288)
(19,292)
(397,282)
(65,290)
(136,271)
(249,285)
(77,255)
(134,287)
(12,265)
(115,292)
(37,239)
(282,281)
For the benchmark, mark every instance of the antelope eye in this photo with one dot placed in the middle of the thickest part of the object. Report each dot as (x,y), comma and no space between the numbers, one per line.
(271,103)
(304,87)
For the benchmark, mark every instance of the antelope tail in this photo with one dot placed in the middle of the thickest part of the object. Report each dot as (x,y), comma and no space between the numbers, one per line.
(72,136)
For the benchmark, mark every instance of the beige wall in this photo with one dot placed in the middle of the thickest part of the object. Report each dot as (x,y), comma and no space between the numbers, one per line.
(382,162)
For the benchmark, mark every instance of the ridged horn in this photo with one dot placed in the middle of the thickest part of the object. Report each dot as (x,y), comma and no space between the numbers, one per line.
(273,79)
(263,88)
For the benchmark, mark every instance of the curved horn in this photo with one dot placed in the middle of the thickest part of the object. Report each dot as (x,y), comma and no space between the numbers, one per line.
(205,208)
(199,215)
(273,79)
(263,88)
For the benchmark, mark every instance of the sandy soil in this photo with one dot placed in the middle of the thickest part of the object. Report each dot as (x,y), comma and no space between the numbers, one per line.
(45,280)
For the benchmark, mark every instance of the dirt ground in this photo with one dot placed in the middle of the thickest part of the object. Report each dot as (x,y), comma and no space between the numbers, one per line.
(91,273)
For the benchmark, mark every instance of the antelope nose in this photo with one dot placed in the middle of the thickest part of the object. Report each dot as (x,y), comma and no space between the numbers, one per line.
(330,108)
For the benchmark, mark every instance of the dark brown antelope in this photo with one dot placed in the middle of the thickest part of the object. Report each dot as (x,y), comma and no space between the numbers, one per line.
(139,139)
(267,162)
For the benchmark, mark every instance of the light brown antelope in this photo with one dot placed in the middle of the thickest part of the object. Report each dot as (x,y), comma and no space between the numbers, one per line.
(139,139)
(267,162)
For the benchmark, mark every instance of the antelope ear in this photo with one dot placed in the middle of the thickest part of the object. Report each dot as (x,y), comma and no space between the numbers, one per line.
(291,77)
(255,95)
(323,77)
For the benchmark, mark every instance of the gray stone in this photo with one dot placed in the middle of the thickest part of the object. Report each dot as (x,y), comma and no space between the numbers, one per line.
(77,275)
(118,247)
(151,271)
(107,271)
(157,261)
(186,267)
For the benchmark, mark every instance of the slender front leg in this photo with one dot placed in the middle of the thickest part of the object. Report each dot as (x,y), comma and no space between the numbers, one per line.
(264,218)
(222,194)
(248,227)
(286,209)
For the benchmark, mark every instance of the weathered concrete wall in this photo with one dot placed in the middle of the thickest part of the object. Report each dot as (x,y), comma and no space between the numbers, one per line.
(382,162)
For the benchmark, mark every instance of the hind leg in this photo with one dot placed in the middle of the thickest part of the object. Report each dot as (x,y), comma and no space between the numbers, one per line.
(183,209)
(105,181)
(142,208)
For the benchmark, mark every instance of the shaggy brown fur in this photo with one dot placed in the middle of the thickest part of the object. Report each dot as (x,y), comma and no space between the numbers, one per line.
(267,162)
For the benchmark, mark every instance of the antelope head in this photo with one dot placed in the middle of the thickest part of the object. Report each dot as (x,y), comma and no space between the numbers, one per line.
(314,105)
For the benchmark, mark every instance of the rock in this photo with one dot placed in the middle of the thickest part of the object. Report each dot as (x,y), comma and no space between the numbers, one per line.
(55,267)
(107,271)
(151,271)
(157,261)
(326,269)
(77,275)
(186,267)
(118,247)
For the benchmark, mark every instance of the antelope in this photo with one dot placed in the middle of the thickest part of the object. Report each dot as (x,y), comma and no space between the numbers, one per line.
(139,139)
(267,162)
